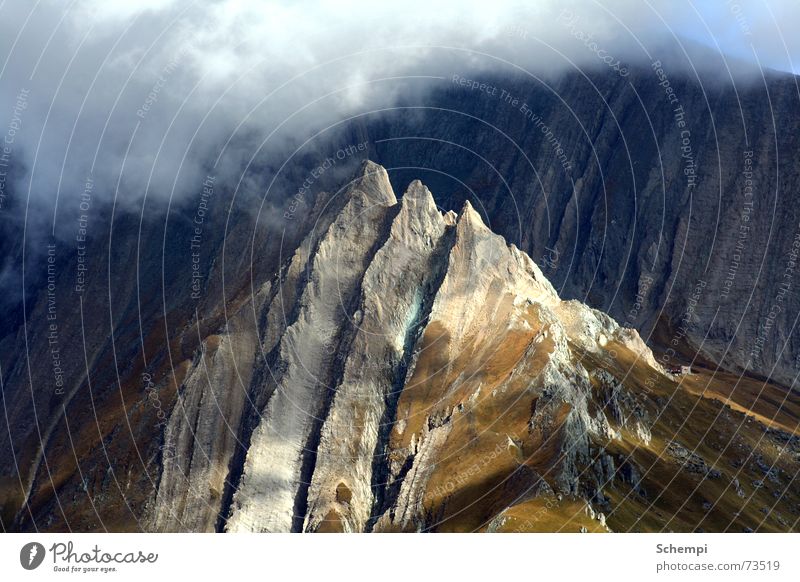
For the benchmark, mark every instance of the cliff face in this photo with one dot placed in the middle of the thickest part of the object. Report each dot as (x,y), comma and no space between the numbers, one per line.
(409,370)
(672,212)
(383,366)
(318,341)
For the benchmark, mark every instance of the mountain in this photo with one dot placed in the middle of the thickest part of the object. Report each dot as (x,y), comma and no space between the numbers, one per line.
(673,212)
(398,368)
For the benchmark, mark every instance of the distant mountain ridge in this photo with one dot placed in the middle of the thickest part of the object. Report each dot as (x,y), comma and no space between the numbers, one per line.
(616,232)
(665,192)
(421,375)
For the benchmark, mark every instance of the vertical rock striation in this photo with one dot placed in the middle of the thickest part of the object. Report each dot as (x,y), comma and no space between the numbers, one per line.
(283,447)
(397,341)
(406,369)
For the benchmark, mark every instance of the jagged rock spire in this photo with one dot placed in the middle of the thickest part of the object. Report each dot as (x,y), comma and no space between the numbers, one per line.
(404,333)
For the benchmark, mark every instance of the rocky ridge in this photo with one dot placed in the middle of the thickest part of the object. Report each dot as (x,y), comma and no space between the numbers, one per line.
(400,369)
(396,340)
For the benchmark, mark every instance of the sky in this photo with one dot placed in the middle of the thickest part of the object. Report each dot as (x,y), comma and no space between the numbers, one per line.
(140,97)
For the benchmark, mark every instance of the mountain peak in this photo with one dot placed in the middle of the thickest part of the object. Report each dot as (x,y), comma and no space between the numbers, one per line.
(372,181)
(470,217)
(406,347)
(417,191)
(418,197)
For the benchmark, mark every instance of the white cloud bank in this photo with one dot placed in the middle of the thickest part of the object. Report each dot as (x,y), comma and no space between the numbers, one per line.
(152,86)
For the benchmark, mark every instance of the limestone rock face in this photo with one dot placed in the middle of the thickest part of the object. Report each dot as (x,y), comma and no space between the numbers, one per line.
(397,341)
(200,437)
(385,329)
(276,466)
(693,246)
(402,368)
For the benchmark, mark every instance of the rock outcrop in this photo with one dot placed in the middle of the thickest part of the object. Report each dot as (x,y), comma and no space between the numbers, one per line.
(418,373)
(673,215)
(406,369)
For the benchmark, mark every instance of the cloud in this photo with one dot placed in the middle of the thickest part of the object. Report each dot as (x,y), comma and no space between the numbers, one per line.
(145,96)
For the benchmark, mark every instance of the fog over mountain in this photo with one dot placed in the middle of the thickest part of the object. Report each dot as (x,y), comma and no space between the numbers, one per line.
(134,101)
(169,86)
(220,271)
